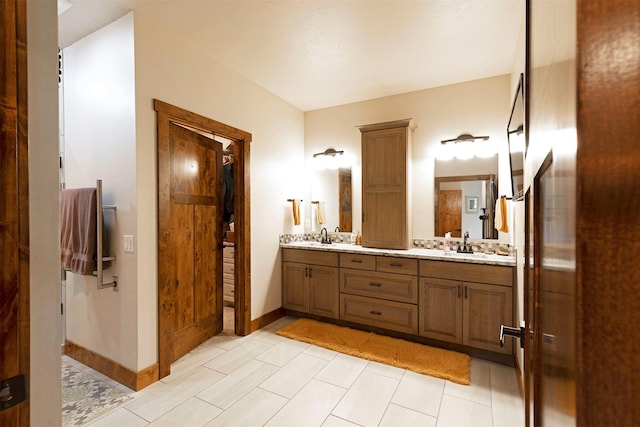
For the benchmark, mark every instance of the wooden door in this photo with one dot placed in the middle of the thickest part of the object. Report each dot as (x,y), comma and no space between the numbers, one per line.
(441,309)
(324,291)
(554,297)
(345,220)
(195,216)
(14,213)
(550,99)
(529,311)
(450,213)
(167,115)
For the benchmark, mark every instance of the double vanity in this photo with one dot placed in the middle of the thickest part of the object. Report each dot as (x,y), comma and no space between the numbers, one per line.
(453,300)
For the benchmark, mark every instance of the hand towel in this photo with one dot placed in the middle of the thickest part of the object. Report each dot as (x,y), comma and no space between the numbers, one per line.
(78,230)
(501,222)
(295,208)
(320,215)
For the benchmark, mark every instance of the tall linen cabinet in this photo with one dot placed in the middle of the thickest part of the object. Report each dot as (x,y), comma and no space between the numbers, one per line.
(386,161)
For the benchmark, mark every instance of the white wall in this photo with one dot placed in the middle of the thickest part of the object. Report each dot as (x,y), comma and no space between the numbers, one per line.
(44,246)
(99,135)
(478,107)
(170,69)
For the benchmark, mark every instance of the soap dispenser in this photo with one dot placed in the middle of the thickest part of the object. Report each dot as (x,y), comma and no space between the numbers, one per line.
(447,242)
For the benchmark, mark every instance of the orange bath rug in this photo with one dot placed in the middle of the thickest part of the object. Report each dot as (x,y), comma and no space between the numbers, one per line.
(436,362)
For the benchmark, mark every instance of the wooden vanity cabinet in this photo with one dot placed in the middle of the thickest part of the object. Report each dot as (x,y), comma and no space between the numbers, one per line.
(455,309)
(310,282)
(386,151)
(381,292)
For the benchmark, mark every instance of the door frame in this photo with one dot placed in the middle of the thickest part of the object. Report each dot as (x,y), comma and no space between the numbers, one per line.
(14,187)
(167,114)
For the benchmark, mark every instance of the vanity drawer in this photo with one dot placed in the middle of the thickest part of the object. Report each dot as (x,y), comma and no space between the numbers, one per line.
(467,272)
(395,316)
(361,262)
(310,257)
(397,265)
(394,287)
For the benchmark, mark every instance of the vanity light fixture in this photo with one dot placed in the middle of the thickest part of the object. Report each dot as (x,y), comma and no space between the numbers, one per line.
(465,137)
(330,159)
(464,146)
(329,152)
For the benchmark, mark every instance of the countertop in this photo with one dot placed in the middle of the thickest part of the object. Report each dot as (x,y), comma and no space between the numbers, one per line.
(419,253)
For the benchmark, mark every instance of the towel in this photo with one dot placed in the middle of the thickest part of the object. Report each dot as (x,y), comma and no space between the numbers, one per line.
(501,222)
(78,230)
(320,217)
(295,208)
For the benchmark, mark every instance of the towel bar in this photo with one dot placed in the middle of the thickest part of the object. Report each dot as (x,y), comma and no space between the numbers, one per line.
(99,258)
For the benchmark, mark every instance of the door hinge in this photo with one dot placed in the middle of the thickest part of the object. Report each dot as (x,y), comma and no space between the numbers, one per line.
(61,309)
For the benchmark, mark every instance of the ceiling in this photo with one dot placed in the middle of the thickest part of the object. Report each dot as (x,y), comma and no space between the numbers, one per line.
(321,53)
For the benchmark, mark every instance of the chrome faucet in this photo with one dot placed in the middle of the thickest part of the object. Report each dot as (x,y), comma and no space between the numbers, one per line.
(325,237)
(465,249)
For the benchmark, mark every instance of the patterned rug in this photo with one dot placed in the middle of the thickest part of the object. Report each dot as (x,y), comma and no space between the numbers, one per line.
(84,397)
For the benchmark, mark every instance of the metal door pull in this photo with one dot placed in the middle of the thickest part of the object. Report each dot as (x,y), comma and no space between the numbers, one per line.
(513,332)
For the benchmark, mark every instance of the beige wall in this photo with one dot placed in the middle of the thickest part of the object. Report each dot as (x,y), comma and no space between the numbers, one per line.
(44,379)
(99,143)
(170,69)
(159,64)
(478,107)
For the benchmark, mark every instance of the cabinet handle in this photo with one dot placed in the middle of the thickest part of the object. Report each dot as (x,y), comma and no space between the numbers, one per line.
(356,261)
(310,272)
(459,291)
(377,285)
(466,291)
(395,264)
(377,313)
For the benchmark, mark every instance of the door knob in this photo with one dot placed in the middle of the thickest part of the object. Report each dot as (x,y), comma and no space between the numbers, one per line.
(512,332)
(12,391)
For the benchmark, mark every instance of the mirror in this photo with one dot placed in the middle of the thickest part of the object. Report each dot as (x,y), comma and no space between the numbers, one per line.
(516,141)
(465,202)
(331,191)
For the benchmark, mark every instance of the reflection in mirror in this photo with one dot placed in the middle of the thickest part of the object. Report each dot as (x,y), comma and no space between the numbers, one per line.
(465,193)
(516,140)
(344,199)
(331,188)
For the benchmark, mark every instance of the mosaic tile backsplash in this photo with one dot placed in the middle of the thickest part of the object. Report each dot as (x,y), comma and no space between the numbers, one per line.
(478,245)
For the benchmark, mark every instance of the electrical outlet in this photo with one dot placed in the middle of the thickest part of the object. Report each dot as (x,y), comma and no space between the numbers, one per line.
(128,243)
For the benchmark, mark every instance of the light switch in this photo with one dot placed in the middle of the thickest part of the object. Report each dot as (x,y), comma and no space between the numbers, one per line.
(128,243)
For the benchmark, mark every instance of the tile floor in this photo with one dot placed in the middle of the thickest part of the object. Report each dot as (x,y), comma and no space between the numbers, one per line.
(267,380)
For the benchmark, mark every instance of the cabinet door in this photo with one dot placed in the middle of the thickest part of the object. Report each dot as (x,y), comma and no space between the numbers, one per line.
(384,188)
(323,291)
(441,309)
(486,307)
(295,288)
